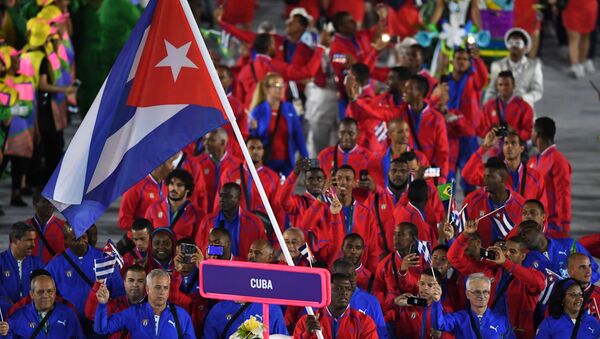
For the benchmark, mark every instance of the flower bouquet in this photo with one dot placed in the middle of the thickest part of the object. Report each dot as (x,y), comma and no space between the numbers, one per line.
(249,329)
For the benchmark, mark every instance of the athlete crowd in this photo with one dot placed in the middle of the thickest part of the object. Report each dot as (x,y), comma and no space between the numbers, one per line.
(365,142)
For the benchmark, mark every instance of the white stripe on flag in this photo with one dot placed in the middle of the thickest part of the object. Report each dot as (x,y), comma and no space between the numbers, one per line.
(104,267)
(128,136)
(138,55)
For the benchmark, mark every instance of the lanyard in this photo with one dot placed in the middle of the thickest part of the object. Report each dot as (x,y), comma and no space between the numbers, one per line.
(349,219)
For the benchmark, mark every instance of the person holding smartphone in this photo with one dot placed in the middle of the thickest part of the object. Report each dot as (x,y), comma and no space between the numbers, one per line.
(515,288)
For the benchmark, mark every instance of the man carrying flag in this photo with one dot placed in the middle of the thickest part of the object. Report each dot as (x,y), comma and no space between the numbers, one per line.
(494,197)
(160,83)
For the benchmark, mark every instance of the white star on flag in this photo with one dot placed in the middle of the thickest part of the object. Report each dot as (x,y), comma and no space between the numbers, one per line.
(176,58)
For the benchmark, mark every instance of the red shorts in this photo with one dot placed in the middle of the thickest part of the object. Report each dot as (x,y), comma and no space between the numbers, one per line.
(580,16)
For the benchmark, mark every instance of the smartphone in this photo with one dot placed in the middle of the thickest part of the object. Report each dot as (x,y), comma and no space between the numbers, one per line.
(188,250)
(490,255)
(413,249)
(502,130)
(339,58)
(416,301)
(432,172)
(215,250)
(364,175)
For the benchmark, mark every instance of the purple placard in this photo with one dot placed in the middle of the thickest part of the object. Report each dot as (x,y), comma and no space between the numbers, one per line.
(264,283)
(497,22)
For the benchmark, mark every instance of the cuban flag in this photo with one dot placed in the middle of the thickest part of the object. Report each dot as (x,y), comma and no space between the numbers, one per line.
(104,267)
(502,222)
(162,93)
(110,250)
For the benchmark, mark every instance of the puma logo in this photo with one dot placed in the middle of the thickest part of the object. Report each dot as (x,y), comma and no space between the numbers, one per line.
(591,329)
(562,252)
(495,328)
(172,323)
(63,322)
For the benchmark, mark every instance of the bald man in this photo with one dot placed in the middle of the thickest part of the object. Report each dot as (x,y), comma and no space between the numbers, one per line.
(580,269)
(261,251)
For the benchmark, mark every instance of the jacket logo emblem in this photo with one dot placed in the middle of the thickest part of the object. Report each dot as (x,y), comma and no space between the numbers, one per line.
(172,323)
(7,273)
(62,322)
(562,252)
(228,317)
(494,328)
(206,171)
(151,195)
(160,215)
(413,315)
(383,206)
(32,325)
(69,274)
(145,322)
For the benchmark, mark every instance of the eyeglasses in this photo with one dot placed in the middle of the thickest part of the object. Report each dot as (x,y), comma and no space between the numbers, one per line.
(518,43)
(480,293)
(276,85)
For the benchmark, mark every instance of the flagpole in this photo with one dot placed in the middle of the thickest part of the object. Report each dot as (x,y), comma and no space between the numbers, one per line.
(451,197)
(240,139)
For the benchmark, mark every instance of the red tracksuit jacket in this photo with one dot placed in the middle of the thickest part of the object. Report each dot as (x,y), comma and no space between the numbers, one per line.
(479,205)
(556,171)
(294,205)
(516,112)
(379,168)
(186,225)
(352,324)
(138,198)
(363,278)
(594,300)
(591,242)
(270,181)
(327,231)
(53,232)
(383,201)
(256,70)
(470,100)
(372,123)
(199,197)
(409,213)
(385,102)
(522,293)
(251,229)
(212,172)
(359,47)
(431,135)
(408,321)
(534,183)
(390,282)
(359,158)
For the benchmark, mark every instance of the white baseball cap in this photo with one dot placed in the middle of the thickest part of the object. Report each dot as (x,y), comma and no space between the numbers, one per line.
(300,11)
(522,31)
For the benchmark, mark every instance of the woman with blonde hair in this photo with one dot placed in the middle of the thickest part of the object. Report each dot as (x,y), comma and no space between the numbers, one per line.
(276,123)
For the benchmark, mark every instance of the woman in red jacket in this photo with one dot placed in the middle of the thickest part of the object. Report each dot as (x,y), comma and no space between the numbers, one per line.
(579,19)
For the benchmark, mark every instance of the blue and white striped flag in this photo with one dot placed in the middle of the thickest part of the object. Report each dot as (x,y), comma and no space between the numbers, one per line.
(104,267)
(502,222)
(424,249)
(110,250)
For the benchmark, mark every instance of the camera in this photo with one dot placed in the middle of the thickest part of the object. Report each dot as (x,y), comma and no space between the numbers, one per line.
(502,130)
(188,250)
(490,255)
(416,301)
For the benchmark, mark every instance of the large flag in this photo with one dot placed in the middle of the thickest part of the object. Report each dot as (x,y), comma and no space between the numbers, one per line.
(162,93)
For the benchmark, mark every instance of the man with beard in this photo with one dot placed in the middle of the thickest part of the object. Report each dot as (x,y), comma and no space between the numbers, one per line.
(74,276)
(140,236)
(135,294)
(60,320)
(156,318)
(176,211)
(293,204)
(242,226)
(494,196)
(16,265)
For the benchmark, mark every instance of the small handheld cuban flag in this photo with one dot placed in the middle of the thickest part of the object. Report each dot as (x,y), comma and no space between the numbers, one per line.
(424,249)
(162,93)
(104,267)
(502,222)
(110,250)
(306,253)
(551,279)
(457,218)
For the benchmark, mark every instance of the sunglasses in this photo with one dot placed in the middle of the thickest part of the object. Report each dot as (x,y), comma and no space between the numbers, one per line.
(276,85)
(518,43)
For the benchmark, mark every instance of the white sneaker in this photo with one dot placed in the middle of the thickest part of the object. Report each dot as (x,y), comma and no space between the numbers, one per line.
(577,71)
(589,67)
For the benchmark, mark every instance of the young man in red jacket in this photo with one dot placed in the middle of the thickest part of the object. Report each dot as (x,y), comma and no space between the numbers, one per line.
(214,162)
(392,100)
(507,109)
(135,293)
(293,204)
(243,226)
(176,211)
(270,180)
(371,121)
(252,73)
(338,319)
(413,211)
(328,224)
(427,126)
(494,196)
(347,151)
(521,179)
(353,248)
(142,195)
(50,239)
(469,77)
(556,170)
(515,288)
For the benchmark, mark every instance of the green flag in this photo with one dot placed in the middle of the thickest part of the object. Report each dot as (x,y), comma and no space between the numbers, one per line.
(445,191)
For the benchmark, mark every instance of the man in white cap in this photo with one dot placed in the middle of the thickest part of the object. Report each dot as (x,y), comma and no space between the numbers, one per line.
(529,79)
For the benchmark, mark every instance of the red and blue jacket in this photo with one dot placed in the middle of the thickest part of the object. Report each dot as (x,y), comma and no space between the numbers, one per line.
(137,199)
(212,170)
(359,158)
(516,112)
(351,324)
(185,226)
(53,232)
